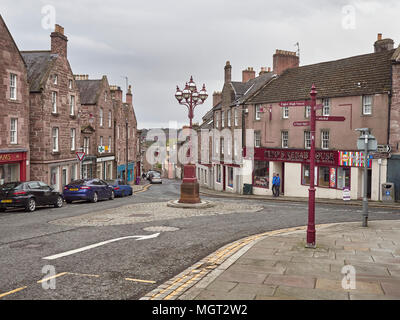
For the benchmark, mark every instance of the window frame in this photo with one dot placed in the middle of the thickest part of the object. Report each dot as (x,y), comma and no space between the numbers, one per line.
(54,98)
(307,140)
(326,107)
(71,105)
(287,139)
(324,140)
(364,105)
(257,137)
(13,86)
(55,139)
(14,133)
(73,139)
(285,112)
(257,112)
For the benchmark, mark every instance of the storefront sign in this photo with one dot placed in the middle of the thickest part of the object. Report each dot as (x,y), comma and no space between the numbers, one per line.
(12,157)
(353,159)
(346,194)
(322,157)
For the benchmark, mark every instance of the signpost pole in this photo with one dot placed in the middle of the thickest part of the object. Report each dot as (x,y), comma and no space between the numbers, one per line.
(311,199)
(365,199)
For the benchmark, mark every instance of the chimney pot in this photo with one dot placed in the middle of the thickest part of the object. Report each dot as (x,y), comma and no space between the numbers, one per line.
(379,36)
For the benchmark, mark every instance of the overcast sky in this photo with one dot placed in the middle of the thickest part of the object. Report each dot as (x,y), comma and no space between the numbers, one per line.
(159,44)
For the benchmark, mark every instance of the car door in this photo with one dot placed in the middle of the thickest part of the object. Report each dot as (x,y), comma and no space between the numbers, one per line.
(36,191)
(96,186)
(107,189)
(49,195)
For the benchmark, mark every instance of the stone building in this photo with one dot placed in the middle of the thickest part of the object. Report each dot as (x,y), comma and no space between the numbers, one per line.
(54,113)
(126,139)
(97,128)
(14,111)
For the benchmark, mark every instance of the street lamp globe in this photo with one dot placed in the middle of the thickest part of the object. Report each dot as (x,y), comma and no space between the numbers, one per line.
(192,85)
(186,93)
(195,96)
(203,93)
(178,94)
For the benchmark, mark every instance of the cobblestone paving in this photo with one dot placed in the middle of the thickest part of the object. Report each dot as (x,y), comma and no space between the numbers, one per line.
(147,212)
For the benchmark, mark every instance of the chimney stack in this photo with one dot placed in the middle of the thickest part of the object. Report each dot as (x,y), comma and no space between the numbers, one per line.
(284,60)
(59,41)
(129,95)
(248,74)
(217,98)
(264,70)
(81,76)
(116,93)
(382,45)
(228,72)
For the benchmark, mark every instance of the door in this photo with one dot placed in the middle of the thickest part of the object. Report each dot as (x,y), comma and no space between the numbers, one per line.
(283,179)
(49,195)
(369,184)
(37,192)
(224,177)
(64,180)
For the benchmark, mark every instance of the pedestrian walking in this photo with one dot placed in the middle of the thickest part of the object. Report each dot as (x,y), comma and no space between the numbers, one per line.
(274,185)
(277,185)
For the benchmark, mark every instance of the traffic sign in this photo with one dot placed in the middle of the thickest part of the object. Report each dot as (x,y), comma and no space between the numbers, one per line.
(101,149)
(301,123)
(293,103)
(384,148)
(80,155)
(329,118)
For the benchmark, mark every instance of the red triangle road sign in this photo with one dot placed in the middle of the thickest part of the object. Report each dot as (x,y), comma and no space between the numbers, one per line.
(80,155)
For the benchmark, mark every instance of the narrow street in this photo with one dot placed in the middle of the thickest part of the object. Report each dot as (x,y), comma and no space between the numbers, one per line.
(129,268)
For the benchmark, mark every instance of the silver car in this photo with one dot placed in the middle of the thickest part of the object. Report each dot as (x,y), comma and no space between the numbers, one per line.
(155,177)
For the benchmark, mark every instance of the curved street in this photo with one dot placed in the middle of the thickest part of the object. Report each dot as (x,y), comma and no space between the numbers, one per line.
(149,246)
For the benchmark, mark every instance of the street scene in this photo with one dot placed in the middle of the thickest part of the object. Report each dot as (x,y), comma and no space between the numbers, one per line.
(161,170)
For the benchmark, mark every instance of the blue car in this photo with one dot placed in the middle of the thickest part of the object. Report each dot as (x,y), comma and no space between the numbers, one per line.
(91,190)
(120,188)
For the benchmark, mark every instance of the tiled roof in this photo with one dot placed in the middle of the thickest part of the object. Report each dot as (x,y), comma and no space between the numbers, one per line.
(38,64)
(246,90)
(89,90)
(364,74)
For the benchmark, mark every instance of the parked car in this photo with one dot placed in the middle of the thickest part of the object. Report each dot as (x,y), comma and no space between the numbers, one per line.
(28,195)
(150,172)
(120,188)
(155,177)
(91,190)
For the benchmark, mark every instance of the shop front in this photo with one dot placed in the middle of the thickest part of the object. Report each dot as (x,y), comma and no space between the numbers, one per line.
(121,171)
(13,166)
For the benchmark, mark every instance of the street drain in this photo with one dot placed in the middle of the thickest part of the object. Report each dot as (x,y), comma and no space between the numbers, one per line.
(161,229)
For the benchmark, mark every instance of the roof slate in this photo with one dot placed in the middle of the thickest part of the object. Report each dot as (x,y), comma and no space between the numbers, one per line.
(89,90)
(38,64)
(359,75)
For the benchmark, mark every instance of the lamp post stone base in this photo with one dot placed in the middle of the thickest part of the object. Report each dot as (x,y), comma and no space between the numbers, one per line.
(190,187)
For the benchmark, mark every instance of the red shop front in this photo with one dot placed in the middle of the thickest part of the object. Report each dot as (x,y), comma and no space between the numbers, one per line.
(12,166)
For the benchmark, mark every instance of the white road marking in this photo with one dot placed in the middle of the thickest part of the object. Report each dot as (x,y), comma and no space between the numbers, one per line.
(67,253)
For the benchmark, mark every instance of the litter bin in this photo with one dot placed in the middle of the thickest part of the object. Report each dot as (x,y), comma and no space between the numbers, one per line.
(247,189)
(388,194)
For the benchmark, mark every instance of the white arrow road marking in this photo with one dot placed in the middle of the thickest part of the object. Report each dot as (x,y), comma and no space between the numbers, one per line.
(67,253)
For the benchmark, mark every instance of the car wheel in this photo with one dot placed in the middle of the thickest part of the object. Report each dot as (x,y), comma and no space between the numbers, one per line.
(59,203)
(112,195)
(31,206)
(95,198)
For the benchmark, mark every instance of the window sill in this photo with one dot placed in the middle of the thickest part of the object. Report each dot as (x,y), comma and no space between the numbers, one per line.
(56,114)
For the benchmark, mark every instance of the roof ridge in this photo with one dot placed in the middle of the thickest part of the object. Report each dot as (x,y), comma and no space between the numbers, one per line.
(35,51)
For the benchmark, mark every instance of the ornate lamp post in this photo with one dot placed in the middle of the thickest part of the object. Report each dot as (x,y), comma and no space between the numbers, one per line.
(190,98)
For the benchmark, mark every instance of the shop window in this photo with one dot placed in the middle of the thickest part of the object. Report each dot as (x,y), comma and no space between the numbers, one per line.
(261,174)
(54,177)
(324,177)
(9,173)
(343,178)
(230,177)
(218,174)
(305,180)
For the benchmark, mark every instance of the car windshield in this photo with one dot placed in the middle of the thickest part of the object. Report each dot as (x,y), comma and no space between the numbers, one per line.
(79,182)
(156,175)
(11,186)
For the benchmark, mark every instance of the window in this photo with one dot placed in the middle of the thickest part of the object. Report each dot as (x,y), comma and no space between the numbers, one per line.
(71,105)
(235,147)
(216,146)
(257,112)
(261,174)
(326,109)
(222,119)
(109,119)
(324,177)
(218,175)
(73,138)
(307,139)
(229,115)
(55,139)
(54,101)
(343,178)
(285,112)
(229,147)
(230,177)
(101,117)
(13,86)
(73,172)
(55,79)
(70,84)
(236,116)
(86,141)
(257,139)
(285,139)
(367,105)
(109,143)
(14,131)
(325,139)
(118,132)
(101,140)
(222,146)
(217,119)
(305,176)
(308,112)
(105,96)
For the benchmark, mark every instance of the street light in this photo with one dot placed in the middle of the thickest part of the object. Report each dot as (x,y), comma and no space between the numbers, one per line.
(190,98)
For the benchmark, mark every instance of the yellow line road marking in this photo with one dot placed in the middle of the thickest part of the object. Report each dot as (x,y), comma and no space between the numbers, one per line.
(84,274)
(52,277)
(138,280)
(11,292)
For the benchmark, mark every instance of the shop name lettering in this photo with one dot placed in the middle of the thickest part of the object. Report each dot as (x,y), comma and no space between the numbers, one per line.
(300,156)
(5,157)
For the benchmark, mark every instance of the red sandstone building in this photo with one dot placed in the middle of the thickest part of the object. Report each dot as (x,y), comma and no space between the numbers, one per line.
(54,113)
(97,128)
(14,111)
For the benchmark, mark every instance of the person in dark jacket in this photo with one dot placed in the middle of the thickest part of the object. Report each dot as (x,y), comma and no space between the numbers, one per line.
(277,185)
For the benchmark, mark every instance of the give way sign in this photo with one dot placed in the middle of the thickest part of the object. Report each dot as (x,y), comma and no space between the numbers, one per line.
(80,155)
